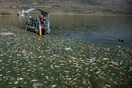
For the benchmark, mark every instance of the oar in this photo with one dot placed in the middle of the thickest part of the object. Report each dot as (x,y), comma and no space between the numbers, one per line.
(40,29)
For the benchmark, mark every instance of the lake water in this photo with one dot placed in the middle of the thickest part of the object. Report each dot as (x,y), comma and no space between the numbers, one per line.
(80,52)
(98,29)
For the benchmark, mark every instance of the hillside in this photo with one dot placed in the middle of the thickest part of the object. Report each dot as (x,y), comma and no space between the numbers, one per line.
(76,6)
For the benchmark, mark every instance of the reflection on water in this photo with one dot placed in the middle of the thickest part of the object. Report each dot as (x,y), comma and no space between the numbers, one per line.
(101,29)
(11,20)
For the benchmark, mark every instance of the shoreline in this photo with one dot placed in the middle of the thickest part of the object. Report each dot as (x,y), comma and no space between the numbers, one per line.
(69,13)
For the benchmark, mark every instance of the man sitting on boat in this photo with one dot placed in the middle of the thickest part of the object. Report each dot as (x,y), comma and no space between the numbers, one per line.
(30,21)
(42,20)
(40,25)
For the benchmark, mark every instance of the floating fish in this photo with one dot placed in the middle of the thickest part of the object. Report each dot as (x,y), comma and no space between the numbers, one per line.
(33,80)
(37,84)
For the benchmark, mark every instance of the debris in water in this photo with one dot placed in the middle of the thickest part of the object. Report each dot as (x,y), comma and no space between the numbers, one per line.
(7,33)
(16,82)
(0,61)
(37,84)
(34,80)
(53,86)
(105,58)
(19,78)
(106,85)
(46,77)
(68,48)
(69,61)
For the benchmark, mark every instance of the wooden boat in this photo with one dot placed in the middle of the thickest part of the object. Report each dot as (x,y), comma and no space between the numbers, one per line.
(38,27)
(41,30)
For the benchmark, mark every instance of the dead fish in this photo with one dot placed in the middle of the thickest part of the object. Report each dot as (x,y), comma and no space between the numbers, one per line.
(53,86)
(7,33)
(34,80)
(16,82)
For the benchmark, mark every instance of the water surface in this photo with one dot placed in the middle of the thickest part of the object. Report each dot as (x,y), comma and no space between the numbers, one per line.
(99,29)
(80,52)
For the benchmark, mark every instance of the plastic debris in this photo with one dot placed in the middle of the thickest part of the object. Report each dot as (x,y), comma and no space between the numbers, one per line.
(46,77)
(19,78)
(91,60)
(37,84)
(69,61)
(101,76)
(120,63)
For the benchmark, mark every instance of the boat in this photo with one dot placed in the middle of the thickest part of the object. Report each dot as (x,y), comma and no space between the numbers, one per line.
(41,28)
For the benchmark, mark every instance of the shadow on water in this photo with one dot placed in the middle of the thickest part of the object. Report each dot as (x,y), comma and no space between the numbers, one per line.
(99,29)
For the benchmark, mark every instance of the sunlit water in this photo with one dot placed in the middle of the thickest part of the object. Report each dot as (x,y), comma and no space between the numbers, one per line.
(80,52)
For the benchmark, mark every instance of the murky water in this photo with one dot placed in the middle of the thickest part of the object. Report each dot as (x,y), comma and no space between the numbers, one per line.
(80,52)
(99,29)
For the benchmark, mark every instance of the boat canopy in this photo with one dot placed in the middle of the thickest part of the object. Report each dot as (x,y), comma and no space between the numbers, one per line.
(26,12)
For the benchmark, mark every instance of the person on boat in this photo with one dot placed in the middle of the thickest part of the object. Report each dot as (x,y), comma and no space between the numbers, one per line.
(42,20)
(30,21)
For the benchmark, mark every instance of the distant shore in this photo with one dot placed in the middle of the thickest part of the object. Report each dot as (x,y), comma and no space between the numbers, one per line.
(7,12)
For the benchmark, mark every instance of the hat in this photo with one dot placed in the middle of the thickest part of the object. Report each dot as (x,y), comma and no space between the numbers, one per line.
(41,16)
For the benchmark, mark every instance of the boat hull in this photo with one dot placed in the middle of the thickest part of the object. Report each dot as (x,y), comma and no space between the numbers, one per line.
(33,29)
